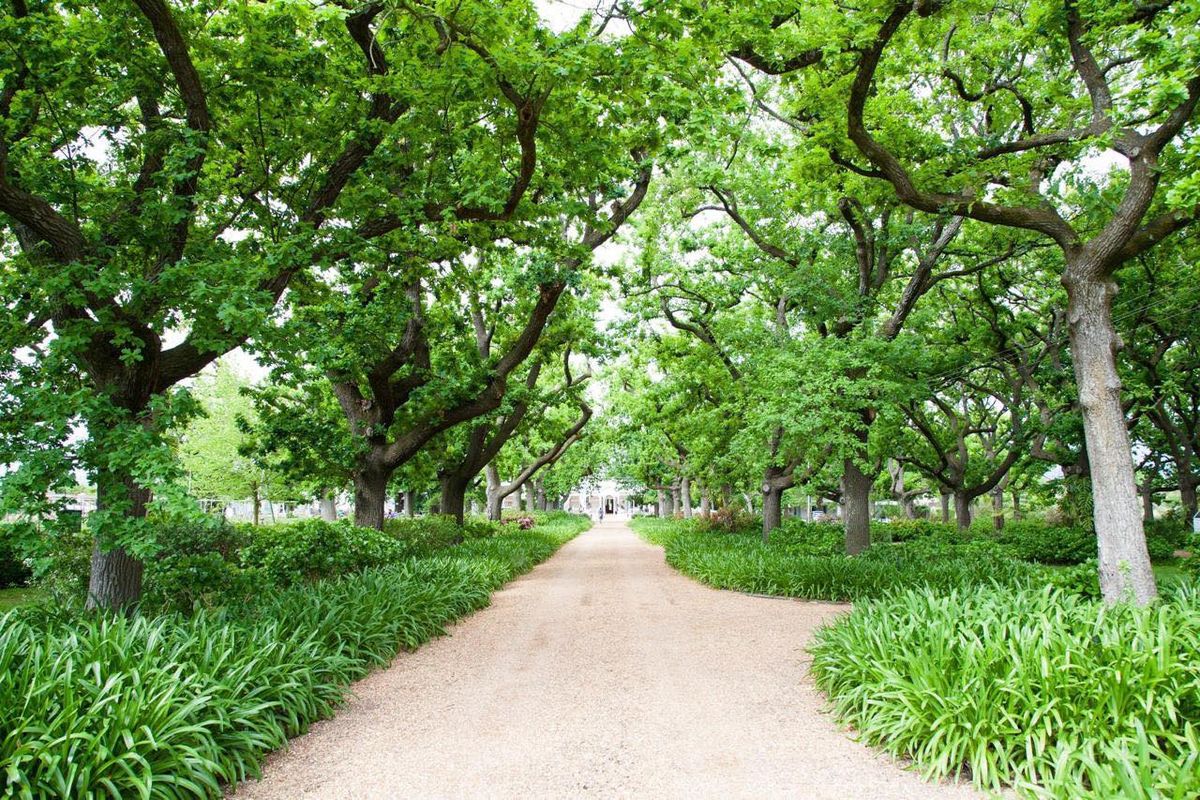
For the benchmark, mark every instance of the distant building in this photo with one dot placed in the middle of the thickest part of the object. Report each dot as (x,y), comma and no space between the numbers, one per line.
(601,497)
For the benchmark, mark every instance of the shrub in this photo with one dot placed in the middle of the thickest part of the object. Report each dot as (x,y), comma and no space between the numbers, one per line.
(1053,693)
(906,530)
(1082,580)
(314,549)
(175,706)
(809,538)
(198,564)
(14,570)
(1033,540)
(729,519)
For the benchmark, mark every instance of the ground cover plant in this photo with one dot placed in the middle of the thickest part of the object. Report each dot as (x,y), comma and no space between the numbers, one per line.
(806,560)
(1057,695)
(178,705)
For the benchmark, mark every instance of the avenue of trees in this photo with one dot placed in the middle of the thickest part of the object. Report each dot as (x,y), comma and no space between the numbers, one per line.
(880,251)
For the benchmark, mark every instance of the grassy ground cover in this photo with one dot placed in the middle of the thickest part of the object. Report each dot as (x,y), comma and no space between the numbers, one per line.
(178,705)
(969,660)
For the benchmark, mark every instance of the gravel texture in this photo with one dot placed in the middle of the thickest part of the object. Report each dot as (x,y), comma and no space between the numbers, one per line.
(602,673)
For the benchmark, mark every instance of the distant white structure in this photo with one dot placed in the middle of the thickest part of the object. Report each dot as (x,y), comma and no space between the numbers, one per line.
(600,498)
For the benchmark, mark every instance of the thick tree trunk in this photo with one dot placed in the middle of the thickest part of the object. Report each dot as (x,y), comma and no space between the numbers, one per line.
(962,510)
(685,496)
(410,503)
(328,507)
(945,499)
(1016,498)
(676,498)
(726,496)
(116,576)
(856,500)
(540,502)
(772,510)
(998,508)
(668,503)
(370,495)
(454,497)
(1125,571)
(705,503)
(1187,497)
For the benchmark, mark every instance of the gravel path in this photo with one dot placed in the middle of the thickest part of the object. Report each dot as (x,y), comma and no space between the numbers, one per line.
(601,673)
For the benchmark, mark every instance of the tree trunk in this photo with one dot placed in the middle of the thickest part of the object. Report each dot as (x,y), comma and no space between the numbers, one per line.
(256,506)
(1125,571)
(685,496)
(772,510)
(494,500)
(115,582)
(328,507)
(370,494)
(945,498)
(1187,496)
(962,510)
(705,503)
(540,502)
(856,499)
(1016,498)
(998,508)
(454,497)
(726,496)
(410,503)
(1147,493)
(668,503)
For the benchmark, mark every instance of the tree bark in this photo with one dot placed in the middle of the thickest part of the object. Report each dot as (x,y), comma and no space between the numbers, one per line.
(410,503)
(328,507)
(256,503)
(540,502)
(962,510)
(945,498)
(856,497)
(705,503)
(454,497)
(772,510)
(370,494)
(1125,570)
(115,582)
(685,496)
(676,498)
(1016,498)
(998,508)
(1187,496)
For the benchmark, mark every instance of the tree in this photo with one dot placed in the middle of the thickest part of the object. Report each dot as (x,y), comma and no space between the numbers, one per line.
(1020,127)
(217,448)
(163,169)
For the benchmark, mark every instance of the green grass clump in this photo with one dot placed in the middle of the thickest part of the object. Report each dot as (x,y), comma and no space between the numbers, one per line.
(179,705)
(1055,694)
(805,560)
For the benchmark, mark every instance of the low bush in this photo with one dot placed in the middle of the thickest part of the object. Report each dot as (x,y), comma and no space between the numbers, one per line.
(1034,540)
(178,706)
(729,519)
(14,569)
(906,530)
(1054,694)
(315,549)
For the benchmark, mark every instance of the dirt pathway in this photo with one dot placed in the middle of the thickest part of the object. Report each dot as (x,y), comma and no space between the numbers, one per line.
(601,673)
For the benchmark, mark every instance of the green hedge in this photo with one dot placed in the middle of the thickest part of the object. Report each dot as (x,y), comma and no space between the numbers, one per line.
(1057,695)
(178,706)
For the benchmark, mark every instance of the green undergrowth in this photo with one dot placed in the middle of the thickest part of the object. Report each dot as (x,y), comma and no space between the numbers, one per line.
(808,561)
(1051,693)
(179,705)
